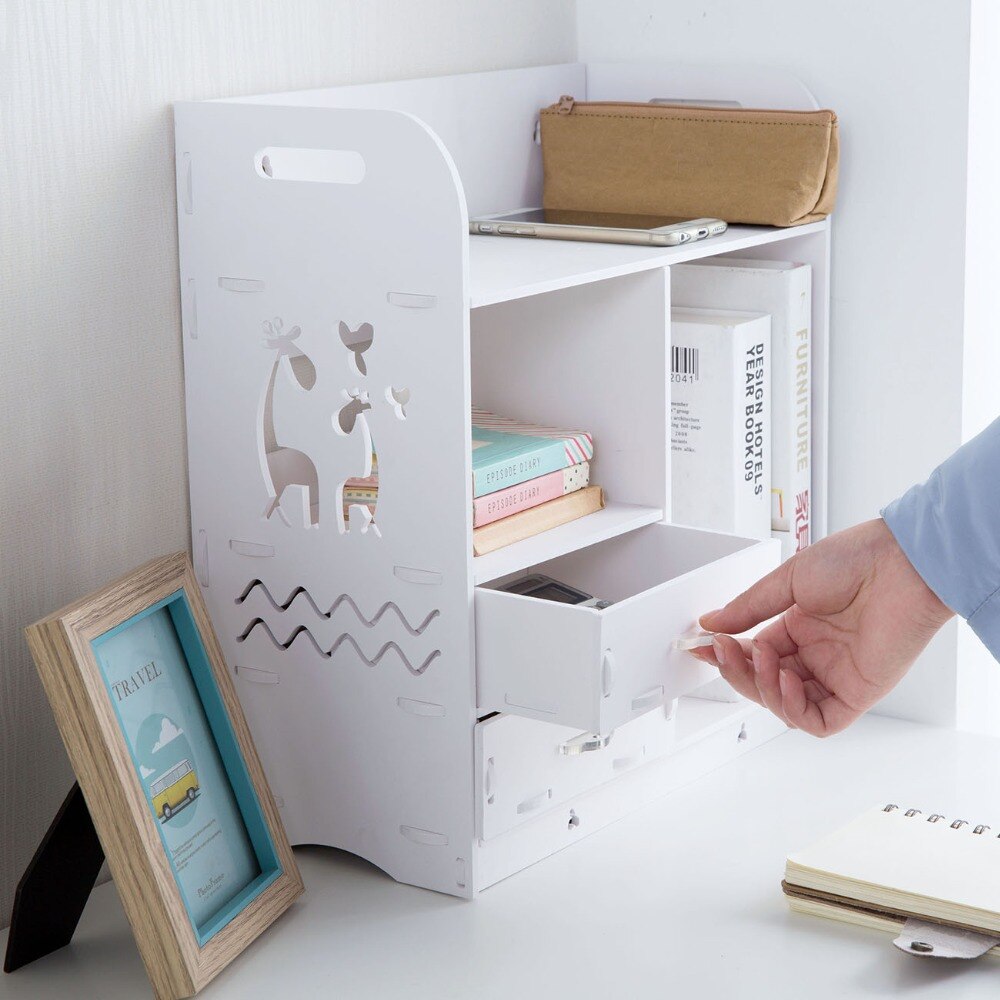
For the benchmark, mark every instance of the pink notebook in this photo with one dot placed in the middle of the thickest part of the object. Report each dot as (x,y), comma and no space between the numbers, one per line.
(493,506)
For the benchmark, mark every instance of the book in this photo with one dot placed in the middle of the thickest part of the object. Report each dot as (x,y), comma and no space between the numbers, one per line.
(783,290)
(720,421)
(493,506)
(534,521)
(506,452)
(891,864)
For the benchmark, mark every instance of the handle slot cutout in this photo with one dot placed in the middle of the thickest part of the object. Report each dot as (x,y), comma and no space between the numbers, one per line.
(324,166)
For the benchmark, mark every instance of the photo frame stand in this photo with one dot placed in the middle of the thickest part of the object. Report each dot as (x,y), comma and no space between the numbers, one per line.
(55,886)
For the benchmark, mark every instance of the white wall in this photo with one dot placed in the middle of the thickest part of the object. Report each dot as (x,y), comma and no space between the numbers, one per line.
(897,73)
(91,404)
(979,678)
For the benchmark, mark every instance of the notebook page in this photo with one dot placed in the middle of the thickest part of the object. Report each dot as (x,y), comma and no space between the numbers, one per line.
(893,856)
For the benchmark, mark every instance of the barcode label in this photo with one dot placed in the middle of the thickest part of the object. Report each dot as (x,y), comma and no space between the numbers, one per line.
(684,361)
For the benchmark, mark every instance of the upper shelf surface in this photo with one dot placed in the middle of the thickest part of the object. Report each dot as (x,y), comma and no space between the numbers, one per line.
(510,267)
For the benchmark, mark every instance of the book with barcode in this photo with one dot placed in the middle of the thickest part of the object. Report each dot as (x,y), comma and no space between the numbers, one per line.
(493,506)
(892,864)
(506,452)
(784,291)
(720,421)
(531,522)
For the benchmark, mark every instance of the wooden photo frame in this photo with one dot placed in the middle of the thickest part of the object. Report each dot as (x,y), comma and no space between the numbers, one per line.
(149,715)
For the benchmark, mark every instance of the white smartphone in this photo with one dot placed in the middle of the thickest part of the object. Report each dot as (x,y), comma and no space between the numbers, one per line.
(597,227)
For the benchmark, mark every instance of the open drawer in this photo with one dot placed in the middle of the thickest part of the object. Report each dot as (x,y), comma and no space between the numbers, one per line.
(598,669)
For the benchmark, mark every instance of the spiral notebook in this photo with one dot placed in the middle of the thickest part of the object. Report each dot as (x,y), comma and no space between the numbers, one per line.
(892,864)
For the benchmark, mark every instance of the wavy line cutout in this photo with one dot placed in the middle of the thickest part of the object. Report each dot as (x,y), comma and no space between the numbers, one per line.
(343,599)
(341,639)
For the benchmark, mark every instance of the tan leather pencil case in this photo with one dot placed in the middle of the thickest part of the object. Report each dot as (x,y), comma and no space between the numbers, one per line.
(776,168)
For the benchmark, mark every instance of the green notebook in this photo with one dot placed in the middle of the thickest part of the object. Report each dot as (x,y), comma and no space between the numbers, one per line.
(506,452)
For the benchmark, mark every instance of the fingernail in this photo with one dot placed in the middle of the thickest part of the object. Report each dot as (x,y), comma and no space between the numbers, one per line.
(783,681)
(720,653)
(709,614)
(755,655)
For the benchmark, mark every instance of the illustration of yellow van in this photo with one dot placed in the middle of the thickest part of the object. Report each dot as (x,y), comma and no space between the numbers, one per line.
(177,788)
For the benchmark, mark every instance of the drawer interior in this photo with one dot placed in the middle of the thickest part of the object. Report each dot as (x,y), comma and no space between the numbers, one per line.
(625,567)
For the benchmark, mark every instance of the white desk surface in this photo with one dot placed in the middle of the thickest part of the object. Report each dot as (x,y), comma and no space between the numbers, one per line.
(679,899)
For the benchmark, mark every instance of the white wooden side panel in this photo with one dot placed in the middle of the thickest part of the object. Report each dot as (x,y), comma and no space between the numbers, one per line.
(365,721)
(486,120)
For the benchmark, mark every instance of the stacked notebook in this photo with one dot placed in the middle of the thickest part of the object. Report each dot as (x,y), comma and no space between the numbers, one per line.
(525,480)
(893,864)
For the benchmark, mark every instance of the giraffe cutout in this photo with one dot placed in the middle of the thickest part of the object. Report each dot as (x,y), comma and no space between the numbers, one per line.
(285,467)
(357,494)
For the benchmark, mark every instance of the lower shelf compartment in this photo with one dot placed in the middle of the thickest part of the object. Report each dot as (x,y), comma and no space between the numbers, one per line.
(705,735)
(526,767)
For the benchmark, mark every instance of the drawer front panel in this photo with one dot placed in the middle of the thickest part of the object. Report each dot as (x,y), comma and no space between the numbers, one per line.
(638,635)
(523,769)
(597,670)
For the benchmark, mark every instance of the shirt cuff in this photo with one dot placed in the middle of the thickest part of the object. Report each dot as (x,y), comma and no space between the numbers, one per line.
(915,522)
(985,622)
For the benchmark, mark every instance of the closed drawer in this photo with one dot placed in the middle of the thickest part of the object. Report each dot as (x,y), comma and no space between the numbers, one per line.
(523,769)
(596,670)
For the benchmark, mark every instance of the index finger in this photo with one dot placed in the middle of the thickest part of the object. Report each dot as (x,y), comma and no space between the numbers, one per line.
(768,597)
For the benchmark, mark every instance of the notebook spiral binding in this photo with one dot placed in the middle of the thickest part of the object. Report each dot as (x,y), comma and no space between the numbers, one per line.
(957,824)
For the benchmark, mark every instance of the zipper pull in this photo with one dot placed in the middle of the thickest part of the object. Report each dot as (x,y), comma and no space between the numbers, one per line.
(566,103)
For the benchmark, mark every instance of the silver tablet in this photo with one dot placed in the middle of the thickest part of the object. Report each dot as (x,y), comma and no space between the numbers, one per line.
(597,227)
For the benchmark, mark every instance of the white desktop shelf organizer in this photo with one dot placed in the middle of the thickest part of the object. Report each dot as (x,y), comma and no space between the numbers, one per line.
(402,713)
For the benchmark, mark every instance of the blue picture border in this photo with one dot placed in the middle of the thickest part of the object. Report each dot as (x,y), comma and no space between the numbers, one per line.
(179,609)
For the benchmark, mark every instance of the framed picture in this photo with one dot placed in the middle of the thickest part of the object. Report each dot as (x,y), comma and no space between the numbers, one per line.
(161,750)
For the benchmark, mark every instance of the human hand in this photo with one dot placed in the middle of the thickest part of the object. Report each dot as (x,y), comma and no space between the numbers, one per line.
(856,614)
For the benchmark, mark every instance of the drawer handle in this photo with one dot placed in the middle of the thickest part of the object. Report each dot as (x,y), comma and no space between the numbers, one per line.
(585,743)
(536,801)
(489,782)
(607,673)
(652,697)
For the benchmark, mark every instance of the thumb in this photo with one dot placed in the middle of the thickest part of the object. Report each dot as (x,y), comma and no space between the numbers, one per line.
(768,597)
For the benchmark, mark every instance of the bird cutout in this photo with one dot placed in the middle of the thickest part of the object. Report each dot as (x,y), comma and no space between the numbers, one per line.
(397,399)
(357,494)
(357,342)
(286,468)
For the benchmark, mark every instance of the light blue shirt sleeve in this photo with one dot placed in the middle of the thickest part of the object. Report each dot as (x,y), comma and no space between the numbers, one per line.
(949,528)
